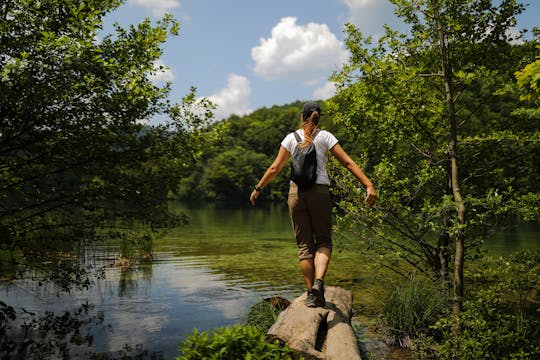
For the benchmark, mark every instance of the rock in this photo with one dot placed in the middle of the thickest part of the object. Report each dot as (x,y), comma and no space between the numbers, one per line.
(319,333)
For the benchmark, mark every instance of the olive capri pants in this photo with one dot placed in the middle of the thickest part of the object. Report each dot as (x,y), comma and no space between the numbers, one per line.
(311,216)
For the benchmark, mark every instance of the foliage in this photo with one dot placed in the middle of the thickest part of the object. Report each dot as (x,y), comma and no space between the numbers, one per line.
(529,79)
(231,172)
(79,160)
(231,343)
(240,149)
(528,82)
(409,308)
(500,320)
(391,98)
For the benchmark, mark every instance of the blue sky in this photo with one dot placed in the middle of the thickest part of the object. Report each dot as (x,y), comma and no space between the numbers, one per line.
(246,54)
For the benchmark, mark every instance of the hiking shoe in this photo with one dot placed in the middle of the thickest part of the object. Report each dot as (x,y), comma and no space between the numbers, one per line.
(318,291)
(311,301)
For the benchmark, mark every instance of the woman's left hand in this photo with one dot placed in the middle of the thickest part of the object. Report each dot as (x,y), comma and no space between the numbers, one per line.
(371,197)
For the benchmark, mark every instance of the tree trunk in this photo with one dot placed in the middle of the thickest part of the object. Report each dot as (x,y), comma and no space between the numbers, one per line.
(452,157)
(444,241)
(319,333)
(442,249)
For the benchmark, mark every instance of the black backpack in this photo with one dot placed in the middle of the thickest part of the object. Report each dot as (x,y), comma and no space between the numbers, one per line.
(304,164)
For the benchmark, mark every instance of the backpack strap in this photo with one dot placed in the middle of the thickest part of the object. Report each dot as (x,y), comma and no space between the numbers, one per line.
(298,138)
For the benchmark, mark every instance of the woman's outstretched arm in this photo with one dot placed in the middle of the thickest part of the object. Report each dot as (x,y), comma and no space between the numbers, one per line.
(273,170)
(349,163)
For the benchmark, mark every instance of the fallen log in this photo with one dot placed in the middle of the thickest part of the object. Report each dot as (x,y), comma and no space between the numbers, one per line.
(319,333)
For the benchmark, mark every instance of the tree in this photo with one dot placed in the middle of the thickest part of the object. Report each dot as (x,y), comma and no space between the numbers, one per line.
(76,153)
(422,106)
(528,79)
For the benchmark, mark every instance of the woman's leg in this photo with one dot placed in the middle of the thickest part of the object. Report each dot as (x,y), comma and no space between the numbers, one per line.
(322,259)
(301,223)
(320,205)
(308,270)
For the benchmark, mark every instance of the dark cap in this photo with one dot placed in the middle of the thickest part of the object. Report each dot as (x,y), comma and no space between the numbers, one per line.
(310,107)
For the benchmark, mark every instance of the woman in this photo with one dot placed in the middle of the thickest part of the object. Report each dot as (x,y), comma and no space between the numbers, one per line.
(311,209)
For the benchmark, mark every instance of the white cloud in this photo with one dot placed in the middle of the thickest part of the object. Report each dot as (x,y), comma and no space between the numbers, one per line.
(305,53)
(325,92)
(157,7)
(370,15)
(234,98)
(162,73)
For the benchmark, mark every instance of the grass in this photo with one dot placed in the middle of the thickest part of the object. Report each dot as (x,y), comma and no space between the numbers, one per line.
(262,315)
(410,307)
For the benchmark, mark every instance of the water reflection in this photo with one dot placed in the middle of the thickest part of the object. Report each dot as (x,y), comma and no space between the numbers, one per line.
(181,294)
(155,303)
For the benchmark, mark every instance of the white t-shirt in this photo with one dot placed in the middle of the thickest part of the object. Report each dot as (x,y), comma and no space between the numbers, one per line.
(323,142)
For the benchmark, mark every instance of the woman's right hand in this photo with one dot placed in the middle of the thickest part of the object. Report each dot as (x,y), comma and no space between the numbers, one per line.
(273,170)
(254,196)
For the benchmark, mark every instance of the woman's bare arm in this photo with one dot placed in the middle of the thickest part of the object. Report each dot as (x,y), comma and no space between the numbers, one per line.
(273,170)
(349,163)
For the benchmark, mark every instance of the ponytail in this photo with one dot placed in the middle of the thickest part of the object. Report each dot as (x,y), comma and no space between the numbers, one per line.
(310,122)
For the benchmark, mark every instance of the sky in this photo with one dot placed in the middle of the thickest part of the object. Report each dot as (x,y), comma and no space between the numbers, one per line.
(248,54)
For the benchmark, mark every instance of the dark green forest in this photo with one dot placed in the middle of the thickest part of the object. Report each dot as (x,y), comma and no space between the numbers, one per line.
(444,119)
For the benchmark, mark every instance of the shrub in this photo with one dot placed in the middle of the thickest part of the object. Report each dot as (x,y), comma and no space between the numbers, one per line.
(410,307)
(231,343)
(491,330)
(500,320)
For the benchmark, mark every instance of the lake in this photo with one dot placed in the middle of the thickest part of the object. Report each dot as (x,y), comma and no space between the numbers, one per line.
(203,275)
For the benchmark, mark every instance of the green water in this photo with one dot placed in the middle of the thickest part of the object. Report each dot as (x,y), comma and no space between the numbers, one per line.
(524,237)
(207,274)
(257,244)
